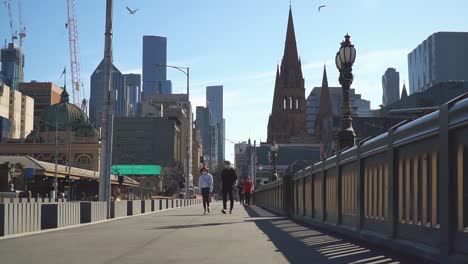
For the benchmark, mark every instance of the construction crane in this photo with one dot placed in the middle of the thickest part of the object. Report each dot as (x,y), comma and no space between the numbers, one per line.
(75,68)
(13,32)
(22,28)
(22,35)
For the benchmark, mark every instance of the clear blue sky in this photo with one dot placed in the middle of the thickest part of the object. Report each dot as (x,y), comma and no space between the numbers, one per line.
(238,44)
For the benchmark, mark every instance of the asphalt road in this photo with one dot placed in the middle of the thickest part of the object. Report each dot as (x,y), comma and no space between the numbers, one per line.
(185,235)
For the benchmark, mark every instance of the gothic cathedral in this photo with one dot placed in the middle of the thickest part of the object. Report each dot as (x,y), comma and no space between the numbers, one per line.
(287,120)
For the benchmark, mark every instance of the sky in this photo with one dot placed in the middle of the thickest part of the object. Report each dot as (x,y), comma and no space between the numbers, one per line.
(237,44)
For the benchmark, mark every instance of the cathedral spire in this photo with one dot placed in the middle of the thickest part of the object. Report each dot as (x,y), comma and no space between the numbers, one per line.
(290,56)
(325,99)
(288,116)
(404,93)
(324,121)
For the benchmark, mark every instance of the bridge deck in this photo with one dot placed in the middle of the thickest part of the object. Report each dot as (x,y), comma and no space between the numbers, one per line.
(186,236)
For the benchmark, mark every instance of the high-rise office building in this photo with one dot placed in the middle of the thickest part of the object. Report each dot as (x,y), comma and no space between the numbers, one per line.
(390,86)
(133,83)
(16,113)
(210,136)
(441,57)
(214,102)
(27,116)
(120,105)
(12,66)
(154,66)
(44,94)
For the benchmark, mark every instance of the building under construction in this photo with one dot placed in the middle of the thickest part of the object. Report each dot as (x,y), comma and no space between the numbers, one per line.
(12,65)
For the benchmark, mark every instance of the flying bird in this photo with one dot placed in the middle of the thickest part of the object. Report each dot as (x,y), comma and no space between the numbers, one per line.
(131,12)
(320,7)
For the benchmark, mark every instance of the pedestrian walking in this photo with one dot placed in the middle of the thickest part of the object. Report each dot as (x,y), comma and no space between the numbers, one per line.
(228,181)
(205,184)
(240,190)
(248,189)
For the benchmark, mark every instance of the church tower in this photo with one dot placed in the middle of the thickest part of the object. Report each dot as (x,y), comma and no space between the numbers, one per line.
(288,115)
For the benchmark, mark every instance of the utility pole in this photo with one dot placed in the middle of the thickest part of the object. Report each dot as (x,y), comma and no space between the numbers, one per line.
(106,114)
(189,139)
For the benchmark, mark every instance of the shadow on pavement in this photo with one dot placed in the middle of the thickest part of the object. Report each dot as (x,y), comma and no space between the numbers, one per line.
(300,243)
(193,226)
(294,250)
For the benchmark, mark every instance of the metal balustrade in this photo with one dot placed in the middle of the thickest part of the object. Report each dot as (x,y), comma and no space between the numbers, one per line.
(406,189)
(29,215)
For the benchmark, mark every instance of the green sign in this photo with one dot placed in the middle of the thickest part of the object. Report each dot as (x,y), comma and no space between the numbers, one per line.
(136,169)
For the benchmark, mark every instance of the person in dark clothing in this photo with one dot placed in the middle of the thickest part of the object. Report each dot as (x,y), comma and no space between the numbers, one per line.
(240,190)
(228,181)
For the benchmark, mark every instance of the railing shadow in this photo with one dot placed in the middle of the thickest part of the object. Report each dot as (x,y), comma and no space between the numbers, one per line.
(300,243)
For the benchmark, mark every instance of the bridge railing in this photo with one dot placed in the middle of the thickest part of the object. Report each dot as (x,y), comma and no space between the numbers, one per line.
(406,189)
(30,215)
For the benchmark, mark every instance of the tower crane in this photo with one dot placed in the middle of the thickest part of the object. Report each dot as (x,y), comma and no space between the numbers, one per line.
(13,32)
(75,67)
(22,35)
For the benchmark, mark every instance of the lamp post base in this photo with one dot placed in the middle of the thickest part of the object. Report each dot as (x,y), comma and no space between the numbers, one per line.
(346,138)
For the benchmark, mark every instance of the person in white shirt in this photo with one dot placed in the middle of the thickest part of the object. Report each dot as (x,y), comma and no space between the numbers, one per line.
(205,184)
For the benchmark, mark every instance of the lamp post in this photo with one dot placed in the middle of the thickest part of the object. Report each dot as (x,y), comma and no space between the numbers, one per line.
(274,158)
(188,164)
(259,181)
(344,62)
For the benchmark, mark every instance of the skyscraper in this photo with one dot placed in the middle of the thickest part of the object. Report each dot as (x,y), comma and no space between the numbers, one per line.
(209,136)
(154,75)
(214,102)
(390,86)
(120,105)
(12,71)
(288,115)
(133,84)
(441,57)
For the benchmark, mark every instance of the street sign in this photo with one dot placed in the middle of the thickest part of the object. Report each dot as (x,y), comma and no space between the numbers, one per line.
(136,169)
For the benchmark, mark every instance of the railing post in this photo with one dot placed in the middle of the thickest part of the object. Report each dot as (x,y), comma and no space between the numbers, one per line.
(392,203)
(312,213)
(359,190)
(304,196)
(445,199)
(338,205)
(324,194)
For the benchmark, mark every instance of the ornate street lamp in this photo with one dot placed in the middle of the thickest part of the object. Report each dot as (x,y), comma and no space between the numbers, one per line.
(344,62)
(259,180)
(274,157)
